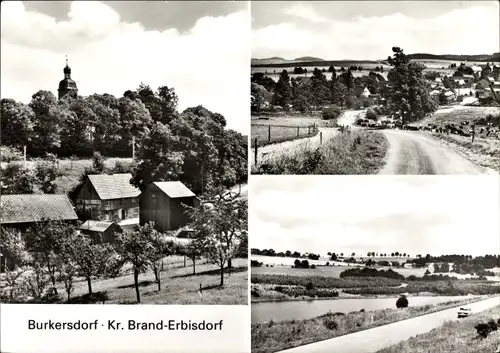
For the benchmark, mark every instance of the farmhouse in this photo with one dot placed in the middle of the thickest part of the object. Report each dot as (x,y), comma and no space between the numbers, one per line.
(163,203)
(104,197)
(101,231)
(19,212)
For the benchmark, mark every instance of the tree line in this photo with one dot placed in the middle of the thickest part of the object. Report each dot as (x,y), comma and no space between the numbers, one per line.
(52,253)
(193,146)
(288,253)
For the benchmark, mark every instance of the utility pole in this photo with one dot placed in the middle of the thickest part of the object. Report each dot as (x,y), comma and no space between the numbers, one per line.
(24,157)
(133,147)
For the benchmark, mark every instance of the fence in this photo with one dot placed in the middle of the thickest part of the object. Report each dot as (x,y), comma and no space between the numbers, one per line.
(267,134)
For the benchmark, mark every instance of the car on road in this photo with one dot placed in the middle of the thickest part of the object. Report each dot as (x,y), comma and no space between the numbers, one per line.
(464,312)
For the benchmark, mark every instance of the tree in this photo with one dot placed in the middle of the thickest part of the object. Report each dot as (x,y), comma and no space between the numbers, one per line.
(17,123)
(338,92)
(320,90)
(220,222)
(135,248)
(158,160)
(158,247)
(12,243)
(15,179)
(45,241)
(94,260)
(46,172)
(408,97)
(48,118)
(283,91)
(402,302)
(194,251)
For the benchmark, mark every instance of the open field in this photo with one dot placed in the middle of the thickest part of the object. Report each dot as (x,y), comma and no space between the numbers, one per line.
(279,128)
(356,152)
(179,285)
(459,113)
(282,287)
(73,169)
(328,271)
(452,337)
(276,336)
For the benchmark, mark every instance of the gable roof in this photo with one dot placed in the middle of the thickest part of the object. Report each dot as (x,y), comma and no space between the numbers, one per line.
(96,226)
(113,186)
(174,189)
(33,208)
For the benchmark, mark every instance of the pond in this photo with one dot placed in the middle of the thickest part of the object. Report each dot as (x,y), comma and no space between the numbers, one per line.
(307,309)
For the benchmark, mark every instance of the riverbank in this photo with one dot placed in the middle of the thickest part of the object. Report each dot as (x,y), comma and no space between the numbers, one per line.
(452,337)
(274,336)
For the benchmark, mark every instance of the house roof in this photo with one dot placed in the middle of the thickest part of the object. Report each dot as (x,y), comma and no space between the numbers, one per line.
(113,186)
(33,208)
(174,189)
(96,226)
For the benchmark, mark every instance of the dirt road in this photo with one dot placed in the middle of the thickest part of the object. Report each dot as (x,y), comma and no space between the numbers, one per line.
(414,153)
(372,340)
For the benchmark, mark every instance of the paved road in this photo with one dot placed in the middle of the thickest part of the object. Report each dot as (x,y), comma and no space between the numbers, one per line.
(372,340)
(414,153)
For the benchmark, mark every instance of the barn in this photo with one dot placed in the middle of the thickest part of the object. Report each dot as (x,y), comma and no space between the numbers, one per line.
(163,203)
(101,231)
(20,212)
(108,197)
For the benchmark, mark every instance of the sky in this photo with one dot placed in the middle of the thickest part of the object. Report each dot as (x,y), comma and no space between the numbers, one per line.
(409,214)
(367,30)
(199,48)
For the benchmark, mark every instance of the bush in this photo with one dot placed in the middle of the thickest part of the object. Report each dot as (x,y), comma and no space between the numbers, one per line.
(330,113)
(255,263)
(371,272)
(278,289)
(309,286)
(313,266)
(330,324)
(402,302)
(371,114)
(10,154)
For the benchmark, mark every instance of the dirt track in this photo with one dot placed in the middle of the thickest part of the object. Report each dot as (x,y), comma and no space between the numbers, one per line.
(414,153)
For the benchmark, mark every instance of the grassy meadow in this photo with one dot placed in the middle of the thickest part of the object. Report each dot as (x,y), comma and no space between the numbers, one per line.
(356,152)
(73,169)
(453,337)
(327,271)
(178,285)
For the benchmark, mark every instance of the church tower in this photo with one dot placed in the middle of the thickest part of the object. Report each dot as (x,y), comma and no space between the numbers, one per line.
(67,86)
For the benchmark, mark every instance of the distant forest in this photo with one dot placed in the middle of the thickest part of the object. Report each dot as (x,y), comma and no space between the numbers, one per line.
(422,56)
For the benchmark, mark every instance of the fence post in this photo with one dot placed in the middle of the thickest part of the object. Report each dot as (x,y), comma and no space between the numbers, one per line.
(269,134)
(298,131)
(256,147)
(321,137)
(309,129)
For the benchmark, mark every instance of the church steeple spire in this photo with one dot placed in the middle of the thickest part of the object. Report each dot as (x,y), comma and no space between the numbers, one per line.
(67,69)
(67,86)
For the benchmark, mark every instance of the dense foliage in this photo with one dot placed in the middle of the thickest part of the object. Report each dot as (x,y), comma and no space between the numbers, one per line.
(192,146)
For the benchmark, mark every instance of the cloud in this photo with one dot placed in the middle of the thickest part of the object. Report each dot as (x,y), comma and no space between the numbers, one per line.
(306,12)
(345,214)
(208,65)
(458,31)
